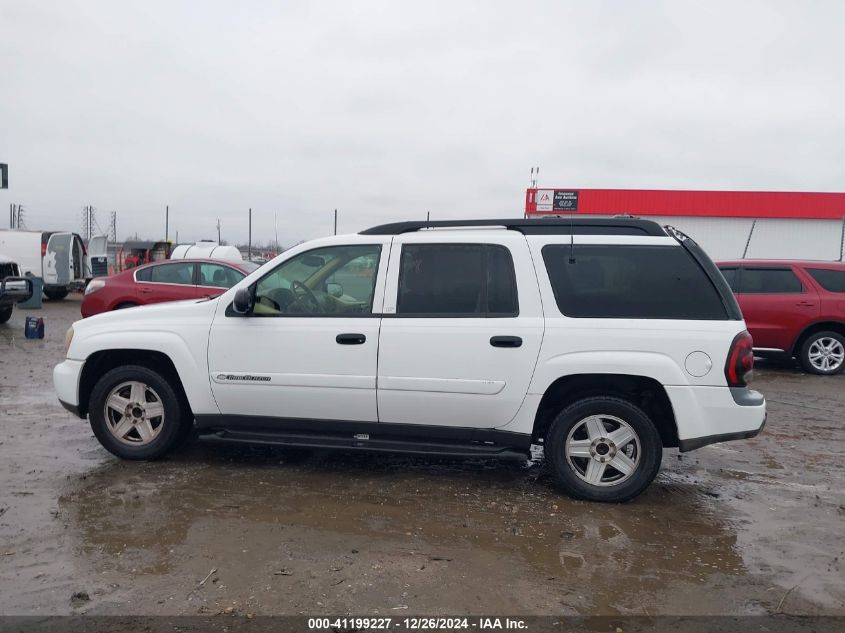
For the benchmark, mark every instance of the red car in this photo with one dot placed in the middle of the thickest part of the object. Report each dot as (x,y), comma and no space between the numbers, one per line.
(793,309)
(169,280)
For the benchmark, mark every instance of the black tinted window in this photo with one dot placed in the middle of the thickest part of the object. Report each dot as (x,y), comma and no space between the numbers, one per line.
(831,280)
(144,274)
(633,282)
(769,281)
(731,276)
(456,279)
(182,273)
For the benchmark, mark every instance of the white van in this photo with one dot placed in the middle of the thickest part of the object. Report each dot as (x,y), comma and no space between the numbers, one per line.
(59,258)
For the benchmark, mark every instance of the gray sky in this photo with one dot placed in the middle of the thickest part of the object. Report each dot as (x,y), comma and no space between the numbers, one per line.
(387,110)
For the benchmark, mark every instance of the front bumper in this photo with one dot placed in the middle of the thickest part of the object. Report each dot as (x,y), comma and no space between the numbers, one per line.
(66,377)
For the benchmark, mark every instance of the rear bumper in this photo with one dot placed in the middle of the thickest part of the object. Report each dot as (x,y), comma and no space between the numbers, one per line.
(697,442)
(706,415)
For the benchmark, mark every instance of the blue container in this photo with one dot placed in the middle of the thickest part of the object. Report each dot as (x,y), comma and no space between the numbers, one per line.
(34,302)
(34,327)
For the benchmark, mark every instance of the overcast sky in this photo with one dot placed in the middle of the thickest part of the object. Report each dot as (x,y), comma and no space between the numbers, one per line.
(387,110)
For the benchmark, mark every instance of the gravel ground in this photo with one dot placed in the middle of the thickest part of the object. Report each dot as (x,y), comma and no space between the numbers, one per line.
(750,527)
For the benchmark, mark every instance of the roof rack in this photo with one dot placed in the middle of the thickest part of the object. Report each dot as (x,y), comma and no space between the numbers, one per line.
(540,226)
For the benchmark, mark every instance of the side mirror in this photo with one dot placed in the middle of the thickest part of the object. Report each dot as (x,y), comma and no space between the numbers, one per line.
(242,303)
(334,290)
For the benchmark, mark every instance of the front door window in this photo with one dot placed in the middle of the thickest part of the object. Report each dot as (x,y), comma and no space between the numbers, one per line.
(324,281)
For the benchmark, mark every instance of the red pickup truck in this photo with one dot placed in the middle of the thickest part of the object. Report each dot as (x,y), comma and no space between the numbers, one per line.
(793,308)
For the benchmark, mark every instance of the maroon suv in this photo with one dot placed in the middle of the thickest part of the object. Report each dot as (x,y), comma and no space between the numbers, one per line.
(793,308)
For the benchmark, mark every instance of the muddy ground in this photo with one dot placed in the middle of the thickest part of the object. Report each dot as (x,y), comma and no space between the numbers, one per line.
(748,527)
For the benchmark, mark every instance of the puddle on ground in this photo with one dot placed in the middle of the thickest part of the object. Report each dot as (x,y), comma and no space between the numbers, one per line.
(132,517)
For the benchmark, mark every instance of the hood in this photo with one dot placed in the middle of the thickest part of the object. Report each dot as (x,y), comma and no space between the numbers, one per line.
(159,316)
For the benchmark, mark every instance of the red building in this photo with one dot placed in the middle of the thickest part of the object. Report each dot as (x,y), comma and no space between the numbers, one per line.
(729,224)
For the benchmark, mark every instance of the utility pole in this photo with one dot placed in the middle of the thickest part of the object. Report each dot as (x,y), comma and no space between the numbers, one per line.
(249,244)
(166,222)
(335,221)
(113,231)
(88,221)
(276,230)
(16,216)
(218,230)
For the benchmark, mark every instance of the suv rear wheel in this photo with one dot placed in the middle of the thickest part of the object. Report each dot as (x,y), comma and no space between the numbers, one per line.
(823,353)
(136,414)
(6,314)
(603,449)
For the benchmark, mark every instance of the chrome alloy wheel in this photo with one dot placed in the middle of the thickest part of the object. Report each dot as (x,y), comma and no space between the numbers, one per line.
(826,354)
(603,450)
(134,413)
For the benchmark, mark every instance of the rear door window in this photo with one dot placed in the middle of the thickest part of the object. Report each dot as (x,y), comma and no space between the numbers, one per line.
(631,282)
(767,280)
(830,280)
(182,274)
(456,280)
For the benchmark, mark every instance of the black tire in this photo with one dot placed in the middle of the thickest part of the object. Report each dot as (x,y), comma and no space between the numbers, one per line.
(6,313)
(649,450)
(56,294)
(807,346)
(173,427)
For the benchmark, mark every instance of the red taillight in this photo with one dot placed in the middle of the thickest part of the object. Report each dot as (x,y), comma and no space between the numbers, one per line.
(740,362)
(43,249)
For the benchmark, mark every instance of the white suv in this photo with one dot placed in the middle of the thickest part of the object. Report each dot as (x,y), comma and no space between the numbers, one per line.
(602,340)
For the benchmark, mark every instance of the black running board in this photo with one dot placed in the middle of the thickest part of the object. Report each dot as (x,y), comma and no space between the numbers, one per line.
(363,442)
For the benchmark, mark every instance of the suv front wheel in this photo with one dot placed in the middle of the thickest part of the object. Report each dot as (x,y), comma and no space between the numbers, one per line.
(603,449)
(136,414)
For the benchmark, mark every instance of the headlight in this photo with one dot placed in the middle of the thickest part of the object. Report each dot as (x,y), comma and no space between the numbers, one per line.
(68,339)
(94,285)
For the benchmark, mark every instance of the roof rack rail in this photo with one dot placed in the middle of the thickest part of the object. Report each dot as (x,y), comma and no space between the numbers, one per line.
(540,226)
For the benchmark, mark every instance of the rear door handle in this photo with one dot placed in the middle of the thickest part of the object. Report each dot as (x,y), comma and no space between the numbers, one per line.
(805,304)
(506,341)
(350,339)
(146,290)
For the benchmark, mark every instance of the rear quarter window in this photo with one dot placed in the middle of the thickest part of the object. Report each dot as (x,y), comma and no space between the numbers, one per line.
(631,282)
(830,280)
(731,276)
(144,274)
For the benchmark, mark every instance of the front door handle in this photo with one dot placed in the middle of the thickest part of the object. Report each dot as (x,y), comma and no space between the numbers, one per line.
(350,339)
(506,341)
(805,304)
